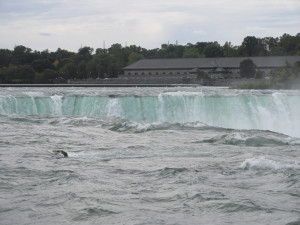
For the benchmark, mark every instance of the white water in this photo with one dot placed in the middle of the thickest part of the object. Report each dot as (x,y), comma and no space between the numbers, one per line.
(263,163)
(148,156)
(275,111)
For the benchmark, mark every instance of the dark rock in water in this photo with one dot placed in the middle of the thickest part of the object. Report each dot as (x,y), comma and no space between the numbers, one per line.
(65,154)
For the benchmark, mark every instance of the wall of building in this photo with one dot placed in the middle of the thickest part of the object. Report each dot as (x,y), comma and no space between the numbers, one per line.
(234,73)
(140,80)
(156,72)
(174,80)
(167,72)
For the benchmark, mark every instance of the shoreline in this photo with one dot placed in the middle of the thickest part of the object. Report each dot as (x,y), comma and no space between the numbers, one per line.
(99,85)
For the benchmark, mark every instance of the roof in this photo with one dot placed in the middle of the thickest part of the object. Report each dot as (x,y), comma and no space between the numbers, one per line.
(190,63)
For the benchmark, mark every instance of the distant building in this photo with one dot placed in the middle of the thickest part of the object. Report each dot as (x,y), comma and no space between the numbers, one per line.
(215,67)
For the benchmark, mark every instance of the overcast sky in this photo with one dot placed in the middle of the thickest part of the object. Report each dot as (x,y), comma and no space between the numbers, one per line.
(68,24)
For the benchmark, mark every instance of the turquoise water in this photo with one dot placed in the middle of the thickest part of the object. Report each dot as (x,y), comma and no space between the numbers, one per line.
(276,111)
(149,156)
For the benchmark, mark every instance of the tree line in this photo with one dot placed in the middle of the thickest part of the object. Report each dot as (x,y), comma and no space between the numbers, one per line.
(23,65)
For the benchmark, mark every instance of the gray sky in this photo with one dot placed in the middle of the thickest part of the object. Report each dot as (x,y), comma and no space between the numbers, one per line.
(68,24)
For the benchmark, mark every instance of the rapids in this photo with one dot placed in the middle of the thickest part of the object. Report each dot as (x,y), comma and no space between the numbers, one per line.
(152,156)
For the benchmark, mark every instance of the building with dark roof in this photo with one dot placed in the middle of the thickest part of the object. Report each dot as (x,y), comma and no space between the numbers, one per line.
(214,66)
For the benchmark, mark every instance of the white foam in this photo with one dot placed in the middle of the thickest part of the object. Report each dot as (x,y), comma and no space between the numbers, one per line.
(265,164)
(139,127)
(235,136)
(181,94)
(114,108)
(33,94)
(57,104)
(196,124)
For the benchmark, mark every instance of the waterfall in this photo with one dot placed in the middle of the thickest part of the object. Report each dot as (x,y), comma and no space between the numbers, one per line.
(276,112)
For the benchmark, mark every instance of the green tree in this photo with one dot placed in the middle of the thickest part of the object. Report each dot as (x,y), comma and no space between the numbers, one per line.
(191,52)
(213,50)
(152,53)
(289,43)
(134,57)
(269,43)
(10,73)
(230,50)
(136,49)
(62,54)
(280,77)
(21,55)
(85,53)
(201,46)
(171,51)
(2,76)
(98,66)
(277,51)
(297,67)
(100,50)
(252,46)
(69,71)
(82,69)
(22,74)
(50,75)
(39,65)
(119,56)
(247,68)
(5,57)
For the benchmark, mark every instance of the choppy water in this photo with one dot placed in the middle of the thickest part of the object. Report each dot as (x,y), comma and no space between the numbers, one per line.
(149,156)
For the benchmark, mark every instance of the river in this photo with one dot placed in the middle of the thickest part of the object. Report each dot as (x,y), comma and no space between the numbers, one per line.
(176,155)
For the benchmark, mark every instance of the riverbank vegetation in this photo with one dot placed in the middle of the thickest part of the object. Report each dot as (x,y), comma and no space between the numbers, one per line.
(283,78)
(23,65)
(287,77)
